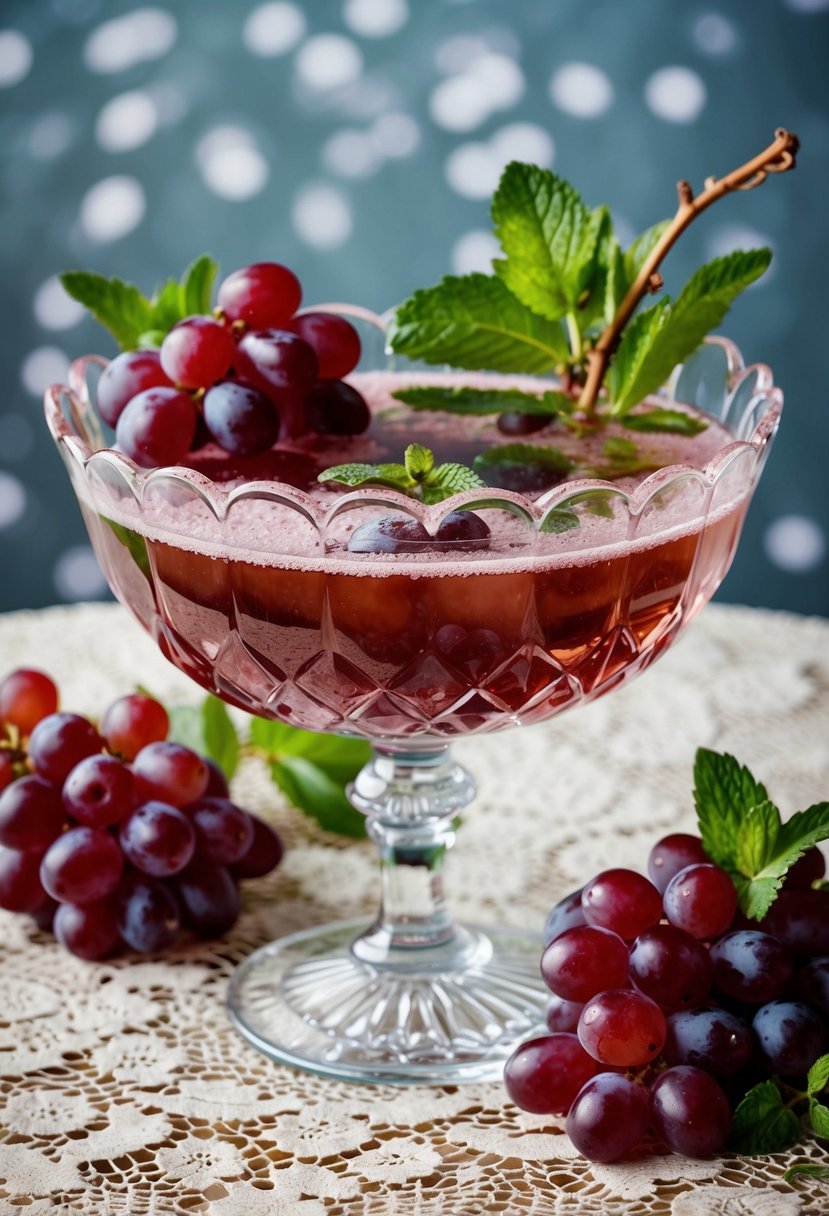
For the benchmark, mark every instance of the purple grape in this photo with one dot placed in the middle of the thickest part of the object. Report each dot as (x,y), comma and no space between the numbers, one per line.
(671,967)
(512,422)
(277,362)
(82,866)
(208,897)
(584,960)
(59,742)
(99,791)
(90,931)
(562,1016)
(800,920)
(31,814)
(791,1036)
(389,534)
(264,853)
(217,786)
(240,418)
(566,914)
(158,839)
(690,1111)
(751,966)
(148,916)
(609,1117)
(170,772)
(806,870)
(544,1075)
(672,854)
(157,427)
(224,832)
(463,530)
(335,408)
(20,887)
(623,901)
(712,1039)
(702,900)
(813,984)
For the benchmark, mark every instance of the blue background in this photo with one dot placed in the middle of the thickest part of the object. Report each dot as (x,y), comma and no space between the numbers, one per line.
(358,141)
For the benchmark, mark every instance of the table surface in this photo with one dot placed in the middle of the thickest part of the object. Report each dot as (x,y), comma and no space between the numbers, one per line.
(124,1089)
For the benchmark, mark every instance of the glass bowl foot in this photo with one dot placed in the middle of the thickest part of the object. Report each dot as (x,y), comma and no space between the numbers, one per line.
(308,1001)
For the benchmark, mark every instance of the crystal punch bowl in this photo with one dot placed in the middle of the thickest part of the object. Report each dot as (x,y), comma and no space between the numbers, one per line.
(248,586)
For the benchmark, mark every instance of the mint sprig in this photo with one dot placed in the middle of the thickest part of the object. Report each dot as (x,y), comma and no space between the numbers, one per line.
(134,319)
(463,399)
(418,476)
(766,1120)
(743,831)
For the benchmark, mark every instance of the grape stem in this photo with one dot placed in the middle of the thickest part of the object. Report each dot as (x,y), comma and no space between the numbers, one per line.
(778,157)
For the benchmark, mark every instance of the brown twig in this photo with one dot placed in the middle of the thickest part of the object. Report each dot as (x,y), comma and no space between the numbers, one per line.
(778,157)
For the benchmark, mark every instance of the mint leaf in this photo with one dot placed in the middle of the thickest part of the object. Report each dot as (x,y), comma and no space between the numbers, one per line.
(774,852)
(806,1171)
(475,322)
(419,461)
(134,542)
(756,837)
(208,730)
(818,1077)
(120,307)
(724,791)
(620,449)
(819,1118)
(549,237)
(805,828)
(660,338)
(560,519)
(393,475)
(639,249)
(449,479)
(482,401)
(312,790)
(761,1123)
(498,463)
(167,309)
(673,421)
(197,286)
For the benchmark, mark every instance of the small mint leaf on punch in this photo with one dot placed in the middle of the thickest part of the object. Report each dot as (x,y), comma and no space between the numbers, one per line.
(417,476)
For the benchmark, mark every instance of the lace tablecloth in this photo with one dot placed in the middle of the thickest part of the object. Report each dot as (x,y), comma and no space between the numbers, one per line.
(125,1090)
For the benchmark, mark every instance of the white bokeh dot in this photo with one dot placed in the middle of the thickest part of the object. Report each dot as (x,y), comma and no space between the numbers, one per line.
(351,153)
(12,500)
(727,238)
(582,90)
(375,18)
(523,141)
(487,83)
(808,6)
(473,170)
(321,216)
(473,252)
(126,121)
(17,437)
(50,135)
(395,135)
(714,34)
(112,208)
(676,94)
(54,309)
(15,57)
(137,37)
(231,164)
(77,575)
(795,543)
(328,61)
(42,367)
(274,29)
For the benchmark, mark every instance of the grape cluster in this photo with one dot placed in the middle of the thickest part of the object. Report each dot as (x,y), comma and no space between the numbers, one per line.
(668,1004)
(112,834)
(244,377)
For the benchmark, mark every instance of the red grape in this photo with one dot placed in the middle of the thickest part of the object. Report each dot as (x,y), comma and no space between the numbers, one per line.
(562,1015)
(544,1075)
(197,352)
(217,786)
(713,1039)
(609,1117)
(125,377)
(132,722)
(265,295)
(264,852)
(31,814)
(7,773)
(90,931)
(671,967)
(158,839)
(622,1027)
(791,1036)
(333,340)
(751,966)
(82,866)
(148,916)
(99,791)
(208,897)
(622,901)
(806,870)
(800,920)
(514,423)
(672,854)
(59,742)
(224,832)
(157,427)
(240,418)
(389,534)
(702,900)
(335,408)
(26,697)
(20,887)
(169,772)
(44,914)
(690,1111)
(583,961)
(566,914)
(276,361)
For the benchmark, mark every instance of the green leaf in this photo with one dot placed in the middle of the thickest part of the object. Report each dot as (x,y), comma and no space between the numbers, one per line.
(620,449)
(419,461)
(449,479)
(818,1077)
(313,790)
(220,736)
(560,519)
(761,1123)
(523,454)
(756,837)
(637,252)
(197,286)
(674,421)
(482,401)
(394,475)
(152,339)
(724,791)
(781,848)
(476,322)
(805,828)
(806,1171)
(819,1118)
(134,542)
(167,307)
(120,307)
(187,727)
(549,237)
(660,338)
